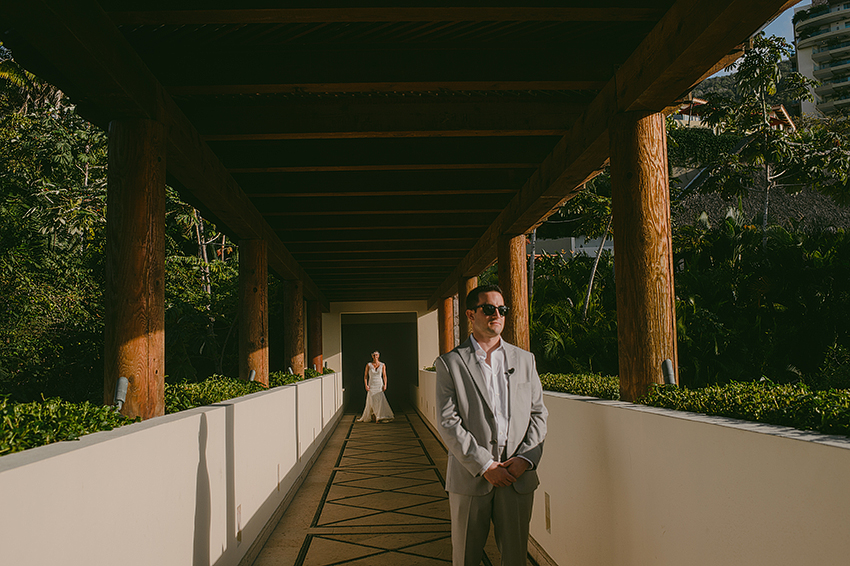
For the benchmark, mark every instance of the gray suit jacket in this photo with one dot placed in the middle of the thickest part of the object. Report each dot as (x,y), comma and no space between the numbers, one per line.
(467,421)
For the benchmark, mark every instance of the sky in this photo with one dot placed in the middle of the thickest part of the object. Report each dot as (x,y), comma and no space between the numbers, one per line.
(781,26)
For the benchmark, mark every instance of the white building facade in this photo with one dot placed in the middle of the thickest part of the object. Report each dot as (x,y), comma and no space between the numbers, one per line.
(822,35)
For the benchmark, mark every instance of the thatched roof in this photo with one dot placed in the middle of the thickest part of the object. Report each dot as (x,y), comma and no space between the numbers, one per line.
(807,210)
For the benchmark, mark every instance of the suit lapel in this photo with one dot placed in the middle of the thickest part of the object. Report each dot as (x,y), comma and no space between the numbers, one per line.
(467,354)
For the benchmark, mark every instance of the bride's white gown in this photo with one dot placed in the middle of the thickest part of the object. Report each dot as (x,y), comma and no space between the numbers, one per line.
(376,401)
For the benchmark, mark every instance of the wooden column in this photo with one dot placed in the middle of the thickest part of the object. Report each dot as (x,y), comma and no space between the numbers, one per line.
(253,310)
(513,279)
(464,286)
(646,317)
(293,316)
(134,321)
(314,329)
(446,324)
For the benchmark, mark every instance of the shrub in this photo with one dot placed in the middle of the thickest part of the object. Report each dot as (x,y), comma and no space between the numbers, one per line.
(27,425)
(590,385)
(278,378)
(217,388)
(793,405)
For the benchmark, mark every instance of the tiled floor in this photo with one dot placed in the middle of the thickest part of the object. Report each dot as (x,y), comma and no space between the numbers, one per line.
(375,497)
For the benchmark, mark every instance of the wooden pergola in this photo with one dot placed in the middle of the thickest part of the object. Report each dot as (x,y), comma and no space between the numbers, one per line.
(380,152)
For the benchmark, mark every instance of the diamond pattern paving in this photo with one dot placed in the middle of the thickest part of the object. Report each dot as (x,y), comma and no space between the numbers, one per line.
(375,497)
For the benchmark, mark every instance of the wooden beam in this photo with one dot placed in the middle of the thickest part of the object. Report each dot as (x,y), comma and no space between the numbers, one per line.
(689,40)
(464,286)
(384,87)
(384,183)
(411,233)
(381,118)
(314,335)
(442,67)
(588,13)
(134,319)
(373,247)
(446,328)
(387,167)
(253,310)
(646,315)
(293,319)
(70,41)
(383,205)
(513,279)
(412,221)
(453,153)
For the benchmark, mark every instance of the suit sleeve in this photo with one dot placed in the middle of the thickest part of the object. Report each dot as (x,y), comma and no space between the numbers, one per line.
(459,441)
(531,447)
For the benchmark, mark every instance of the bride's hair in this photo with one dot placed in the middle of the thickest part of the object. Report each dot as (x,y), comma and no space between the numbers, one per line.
(376,352)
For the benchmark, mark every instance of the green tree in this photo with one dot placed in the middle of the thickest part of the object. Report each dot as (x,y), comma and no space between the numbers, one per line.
(774,155)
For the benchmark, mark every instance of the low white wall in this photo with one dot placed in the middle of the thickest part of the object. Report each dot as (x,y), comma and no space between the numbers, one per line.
(633,485)
(196,487)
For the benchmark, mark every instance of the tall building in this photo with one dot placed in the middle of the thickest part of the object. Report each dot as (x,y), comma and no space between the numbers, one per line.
(822,35)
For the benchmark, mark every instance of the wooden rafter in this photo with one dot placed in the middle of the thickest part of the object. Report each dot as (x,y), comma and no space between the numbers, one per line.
(592,12)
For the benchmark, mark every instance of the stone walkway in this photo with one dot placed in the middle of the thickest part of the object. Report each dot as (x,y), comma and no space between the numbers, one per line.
(374,497)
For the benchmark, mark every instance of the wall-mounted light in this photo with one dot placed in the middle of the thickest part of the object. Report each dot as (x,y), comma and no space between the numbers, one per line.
(667,371)
(121,392)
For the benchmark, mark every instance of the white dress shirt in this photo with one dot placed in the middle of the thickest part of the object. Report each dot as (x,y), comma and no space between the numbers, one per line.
(495,377)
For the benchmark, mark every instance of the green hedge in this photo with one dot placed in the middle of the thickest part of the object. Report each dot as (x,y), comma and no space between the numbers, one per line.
(215,389)
(588,384)
(793,405)
(218,388)
(27,425)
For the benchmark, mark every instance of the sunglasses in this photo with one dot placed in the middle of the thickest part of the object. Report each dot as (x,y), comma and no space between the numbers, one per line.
(490,310)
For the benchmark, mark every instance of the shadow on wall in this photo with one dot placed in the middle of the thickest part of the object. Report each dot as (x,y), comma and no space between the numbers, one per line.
(394,336)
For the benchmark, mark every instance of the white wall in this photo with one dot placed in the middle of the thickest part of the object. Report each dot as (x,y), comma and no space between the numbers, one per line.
(634,485)
(195,488)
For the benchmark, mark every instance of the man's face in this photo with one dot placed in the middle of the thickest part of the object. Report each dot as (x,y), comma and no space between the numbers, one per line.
(483,325)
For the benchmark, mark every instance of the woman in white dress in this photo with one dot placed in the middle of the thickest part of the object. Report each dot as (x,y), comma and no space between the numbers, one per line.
(375,378)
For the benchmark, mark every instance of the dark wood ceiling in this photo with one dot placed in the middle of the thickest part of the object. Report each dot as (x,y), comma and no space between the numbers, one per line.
(380,149)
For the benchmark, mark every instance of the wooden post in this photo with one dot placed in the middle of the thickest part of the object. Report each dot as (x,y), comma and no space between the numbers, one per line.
(134,321)
(446,324)
(314,329)
(646,316)
(253,310)
(513,279)
(293,315)
(464,286)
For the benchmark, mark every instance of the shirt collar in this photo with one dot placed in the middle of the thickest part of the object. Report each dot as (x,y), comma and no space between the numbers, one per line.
(479,351)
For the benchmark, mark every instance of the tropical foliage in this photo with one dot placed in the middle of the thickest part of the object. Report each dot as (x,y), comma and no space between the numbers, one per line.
(565,340)
(52,235)
(27,425)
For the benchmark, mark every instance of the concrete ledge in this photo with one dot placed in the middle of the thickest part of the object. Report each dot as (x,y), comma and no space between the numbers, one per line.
(197,487)
(629,484)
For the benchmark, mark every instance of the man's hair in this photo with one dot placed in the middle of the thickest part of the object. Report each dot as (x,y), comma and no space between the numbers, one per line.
(472,297)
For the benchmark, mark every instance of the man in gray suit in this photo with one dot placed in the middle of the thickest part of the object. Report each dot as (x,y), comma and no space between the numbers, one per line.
(493,421)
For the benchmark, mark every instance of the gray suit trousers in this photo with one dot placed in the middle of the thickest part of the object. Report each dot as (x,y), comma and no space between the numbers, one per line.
(511,513)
